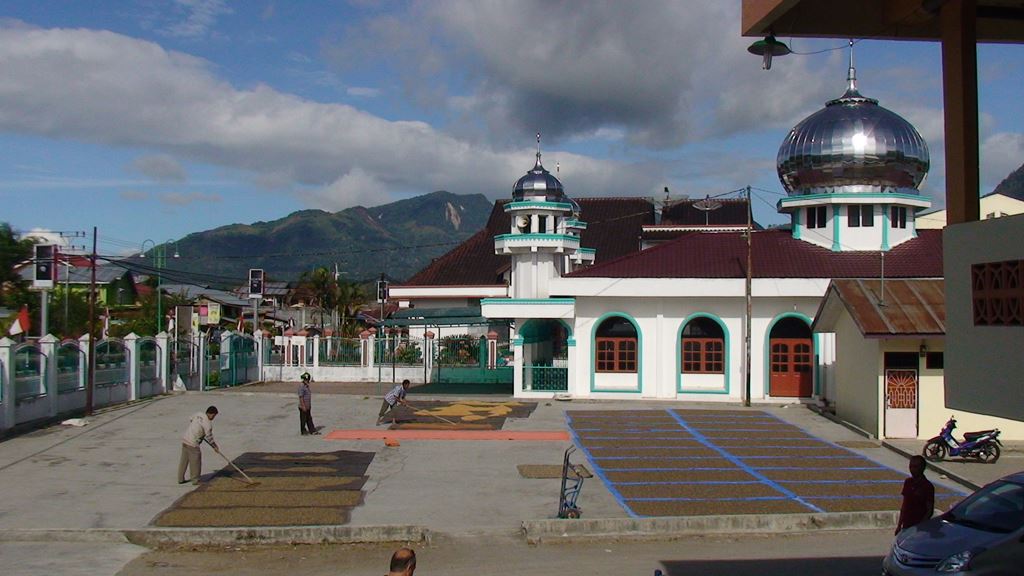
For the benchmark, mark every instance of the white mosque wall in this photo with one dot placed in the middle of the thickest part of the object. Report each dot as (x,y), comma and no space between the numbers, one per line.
(659,321)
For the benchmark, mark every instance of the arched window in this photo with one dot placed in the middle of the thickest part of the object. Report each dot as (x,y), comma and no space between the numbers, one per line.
(616,346)
(703,347)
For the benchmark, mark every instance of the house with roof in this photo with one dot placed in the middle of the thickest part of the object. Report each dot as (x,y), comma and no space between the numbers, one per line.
(890,361)
(708,310)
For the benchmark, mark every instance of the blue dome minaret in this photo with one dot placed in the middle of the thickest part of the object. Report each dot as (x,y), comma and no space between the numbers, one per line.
(544,232)
(852,172)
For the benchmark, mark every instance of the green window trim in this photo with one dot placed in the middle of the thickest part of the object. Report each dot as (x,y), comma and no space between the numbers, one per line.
(679,354)
(639,355)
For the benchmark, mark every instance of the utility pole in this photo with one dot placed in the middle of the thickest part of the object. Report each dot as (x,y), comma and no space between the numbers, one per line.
(91,378)
(750,259)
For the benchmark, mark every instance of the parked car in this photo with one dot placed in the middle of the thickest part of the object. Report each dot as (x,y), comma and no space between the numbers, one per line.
(983,535)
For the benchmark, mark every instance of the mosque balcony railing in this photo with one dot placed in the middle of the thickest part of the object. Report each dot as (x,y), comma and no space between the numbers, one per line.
(507,243)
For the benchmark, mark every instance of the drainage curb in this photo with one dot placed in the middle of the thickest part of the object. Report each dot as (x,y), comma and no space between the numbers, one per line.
(539,531)
(163,537)
(933,466)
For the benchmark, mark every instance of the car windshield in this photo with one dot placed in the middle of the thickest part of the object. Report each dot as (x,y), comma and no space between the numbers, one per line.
(998,507)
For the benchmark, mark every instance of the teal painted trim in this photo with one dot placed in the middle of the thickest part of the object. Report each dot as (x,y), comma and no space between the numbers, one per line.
(568,328)
(516,206)
(570,342)
(537,236)
(768,346)
(517,341)
(639,353)
(864,196)
(503,301)
(588,250)
(679,354)
(836,246)
(885,228)
(576,224)
(796,223)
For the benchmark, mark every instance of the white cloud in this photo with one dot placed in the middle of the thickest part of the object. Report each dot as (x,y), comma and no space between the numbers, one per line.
(1001,154)
(197,17)
(178,107)
(363,92)
(160,167)
(186,198)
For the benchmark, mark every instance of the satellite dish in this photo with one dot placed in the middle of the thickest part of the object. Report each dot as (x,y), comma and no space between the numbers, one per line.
(522,222)
(707,205)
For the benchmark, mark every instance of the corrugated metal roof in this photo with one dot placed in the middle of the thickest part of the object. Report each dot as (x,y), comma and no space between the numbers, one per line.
(907,307)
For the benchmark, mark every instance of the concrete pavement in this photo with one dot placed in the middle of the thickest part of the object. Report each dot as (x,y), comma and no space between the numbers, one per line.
(106,481)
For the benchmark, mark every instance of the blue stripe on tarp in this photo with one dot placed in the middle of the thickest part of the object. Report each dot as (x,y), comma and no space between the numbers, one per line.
(687,482)
(812,468)
(728,456)
(597,469)
(746,499)
(668,469)
(658,458)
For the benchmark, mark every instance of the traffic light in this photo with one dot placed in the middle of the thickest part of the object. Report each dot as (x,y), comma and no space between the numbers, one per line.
(382,290)
(255,283)
(44,266)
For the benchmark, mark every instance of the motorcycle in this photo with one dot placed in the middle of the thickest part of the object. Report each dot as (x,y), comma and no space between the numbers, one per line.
(982,445)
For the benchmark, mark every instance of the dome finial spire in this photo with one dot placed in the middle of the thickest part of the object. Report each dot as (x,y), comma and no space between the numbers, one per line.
(538,151)
(851,74)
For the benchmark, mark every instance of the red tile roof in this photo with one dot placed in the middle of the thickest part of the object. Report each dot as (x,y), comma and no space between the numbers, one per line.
(730,212)
(613,229)
(776,254)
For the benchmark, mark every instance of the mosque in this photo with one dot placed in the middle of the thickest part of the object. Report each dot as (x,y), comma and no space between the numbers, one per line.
(608,298)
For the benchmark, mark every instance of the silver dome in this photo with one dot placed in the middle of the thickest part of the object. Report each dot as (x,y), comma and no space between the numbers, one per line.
(853,145)
(538,182)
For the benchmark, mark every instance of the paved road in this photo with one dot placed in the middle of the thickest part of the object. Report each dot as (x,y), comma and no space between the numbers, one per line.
(854,553)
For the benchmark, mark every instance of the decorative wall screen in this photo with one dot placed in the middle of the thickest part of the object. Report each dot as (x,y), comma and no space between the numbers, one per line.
(997,290)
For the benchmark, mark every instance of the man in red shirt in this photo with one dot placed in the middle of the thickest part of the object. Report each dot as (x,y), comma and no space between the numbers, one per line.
(918,496)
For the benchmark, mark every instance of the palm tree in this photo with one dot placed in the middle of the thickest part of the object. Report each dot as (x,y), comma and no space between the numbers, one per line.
(350,295)
(321,284)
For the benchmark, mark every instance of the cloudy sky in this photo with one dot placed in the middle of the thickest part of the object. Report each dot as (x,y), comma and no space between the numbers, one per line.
(158,118)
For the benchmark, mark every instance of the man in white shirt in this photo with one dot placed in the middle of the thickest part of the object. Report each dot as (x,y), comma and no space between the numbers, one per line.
(200,427)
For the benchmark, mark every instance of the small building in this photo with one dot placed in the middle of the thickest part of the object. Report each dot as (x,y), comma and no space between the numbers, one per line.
(890,357)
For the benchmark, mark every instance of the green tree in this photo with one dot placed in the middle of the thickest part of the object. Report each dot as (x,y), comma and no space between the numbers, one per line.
(323,289)
(13,290)
(350,296)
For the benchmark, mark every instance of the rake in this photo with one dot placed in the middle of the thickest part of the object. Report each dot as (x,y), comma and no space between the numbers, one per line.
(248,480)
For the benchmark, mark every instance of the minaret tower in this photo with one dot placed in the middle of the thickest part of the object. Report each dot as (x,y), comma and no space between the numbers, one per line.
(544,232)
(853,172)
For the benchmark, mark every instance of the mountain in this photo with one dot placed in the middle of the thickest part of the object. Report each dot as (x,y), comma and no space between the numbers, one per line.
(1012,185)
(397,239)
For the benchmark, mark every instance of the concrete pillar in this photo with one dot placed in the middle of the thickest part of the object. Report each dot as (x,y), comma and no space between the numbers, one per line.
(316,351)
(372,343)
(517,366)
(958,22)
(48,372)
(365,351)
(429,345)
(83,361)
(163,365)
(492,350)
(7,383)
(227,367)
(202,363)
(261,345)
(131,347)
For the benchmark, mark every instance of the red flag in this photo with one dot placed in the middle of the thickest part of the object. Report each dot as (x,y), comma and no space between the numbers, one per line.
(22,323)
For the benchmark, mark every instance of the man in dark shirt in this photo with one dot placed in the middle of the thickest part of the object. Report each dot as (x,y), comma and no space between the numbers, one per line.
(918,496)
(306,407)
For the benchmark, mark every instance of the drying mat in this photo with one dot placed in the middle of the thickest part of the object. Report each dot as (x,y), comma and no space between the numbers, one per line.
(858,444)
(729,507)
(401,435)
(754,489)
(291,489)
(490,415)
(549,471)
(746,462)
(654,452)
(682,475)
(220,517)
(439,426)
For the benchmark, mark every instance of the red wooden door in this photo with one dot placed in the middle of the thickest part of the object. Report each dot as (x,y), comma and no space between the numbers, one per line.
(791,364)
